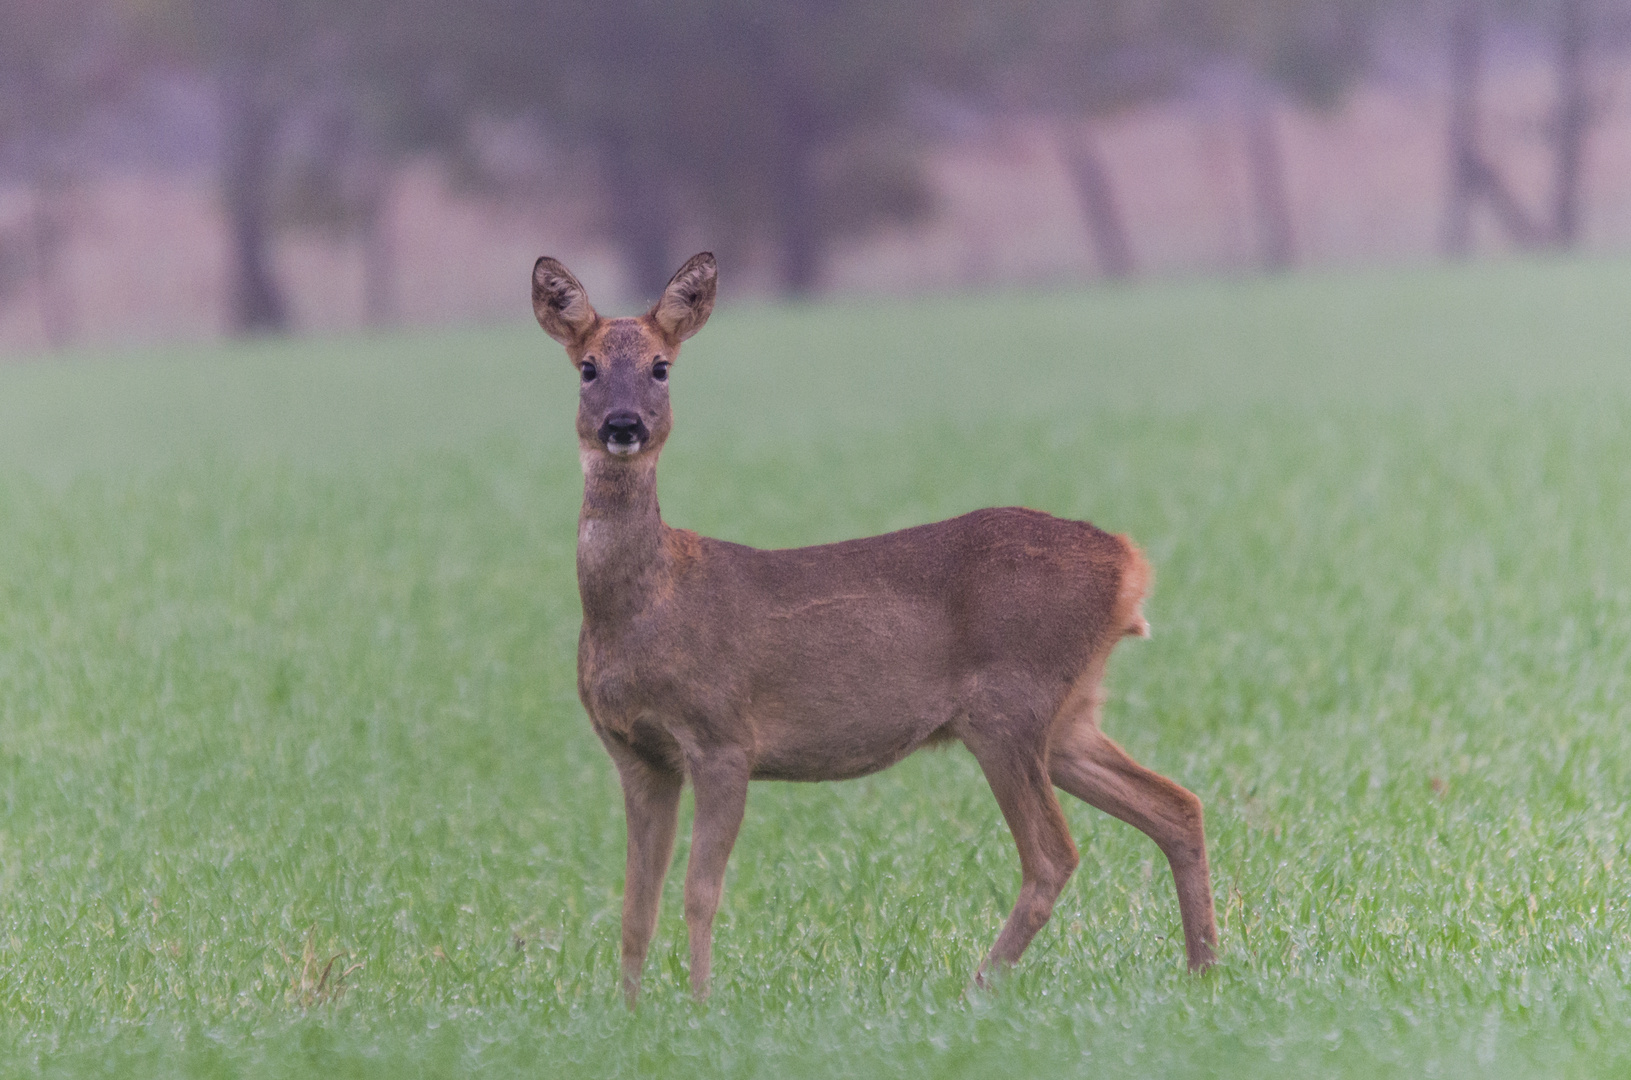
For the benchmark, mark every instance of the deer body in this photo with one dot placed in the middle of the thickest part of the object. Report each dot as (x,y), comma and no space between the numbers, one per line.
(831,662)
(718,663)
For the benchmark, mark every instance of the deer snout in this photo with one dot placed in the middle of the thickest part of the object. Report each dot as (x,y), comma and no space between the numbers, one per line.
(623,433)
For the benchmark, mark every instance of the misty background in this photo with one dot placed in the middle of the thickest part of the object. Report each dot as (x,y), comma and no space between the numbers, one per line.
(188,169)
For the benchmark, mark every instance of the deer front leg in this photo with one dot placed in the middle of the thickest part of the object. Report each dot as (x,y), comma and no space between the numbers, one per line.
(721,782)
(1047,855)
(651,803)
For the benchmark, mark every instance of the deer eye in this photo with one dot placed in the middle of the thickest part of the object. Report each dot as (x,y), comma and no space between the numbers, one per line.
(588,371)
(659,371)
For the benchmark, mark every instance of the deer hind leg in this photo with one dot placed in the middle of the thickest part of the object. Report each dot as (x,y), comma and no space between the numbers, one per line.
(721,784)
(651,802)
(1084,762)
(1047,856)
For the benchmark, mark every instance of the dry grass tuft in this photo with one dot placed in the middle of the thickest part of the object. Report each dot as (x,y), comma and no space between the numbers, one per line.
(315,981)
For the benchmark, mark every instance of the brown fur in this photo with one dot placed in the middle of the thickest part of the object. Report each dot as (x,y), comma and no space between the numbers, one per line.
(720,663)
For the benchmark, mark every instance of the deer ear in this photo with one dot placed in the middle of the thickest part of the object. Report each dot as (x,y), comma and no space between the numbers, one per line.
(560,303)
(688,299)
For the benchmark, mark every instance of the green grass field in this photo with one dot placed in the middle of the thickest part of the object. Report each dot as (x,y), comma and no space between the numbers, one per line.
(286,677)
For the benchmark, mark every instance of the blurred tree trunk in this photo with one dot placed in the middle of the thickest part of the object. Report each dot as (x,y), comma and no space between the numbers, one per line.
(1466,55)
(379,273)
(1266,165)
(1096,195)
(639,218)
(47,171)
(1573,121)
(48,229)
(803,251)
(378,245)
(803,247)
(1472,177)
(250,130)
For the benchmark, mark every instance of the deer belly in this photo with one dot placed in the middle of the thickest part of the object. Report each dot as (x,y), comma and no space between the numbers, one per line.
(829,734)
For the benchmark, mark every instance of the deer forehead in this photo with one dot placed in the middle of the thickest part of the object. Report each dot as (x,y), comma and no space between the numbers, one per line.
(622,339)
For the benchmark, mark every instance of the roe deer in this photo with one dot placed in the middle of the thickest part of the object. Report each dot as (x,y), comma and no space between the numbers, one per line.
(720,663)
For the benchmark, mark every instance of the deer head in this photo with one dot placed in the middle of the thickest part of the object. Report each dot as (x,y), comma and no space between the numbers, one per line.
(623,364)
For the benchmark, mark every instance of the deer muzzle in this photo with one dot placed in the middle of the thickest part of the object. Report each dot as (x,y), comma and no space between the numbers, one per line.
(623,433)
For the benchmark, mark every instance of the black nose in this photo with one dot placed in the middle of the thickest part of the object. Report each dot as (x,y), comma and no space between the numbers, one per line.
(623,429)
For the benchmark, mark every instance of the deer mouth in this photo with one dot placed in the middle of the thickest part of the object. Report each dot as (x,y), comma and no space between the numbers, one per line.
(623,434)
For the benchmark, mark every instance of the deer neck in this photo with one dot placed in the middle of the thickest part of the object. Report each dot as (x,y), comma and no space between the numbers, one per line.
(622,560)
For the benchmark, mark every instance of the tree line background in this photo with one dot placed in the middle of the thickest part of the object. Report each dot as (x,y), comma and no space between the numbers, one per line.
(772,128)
